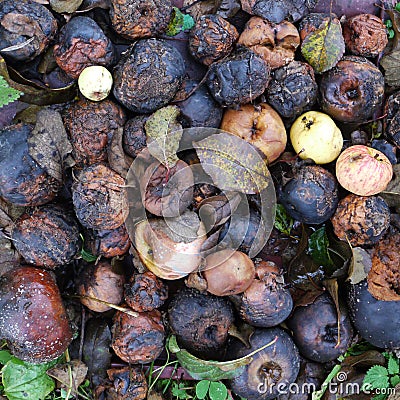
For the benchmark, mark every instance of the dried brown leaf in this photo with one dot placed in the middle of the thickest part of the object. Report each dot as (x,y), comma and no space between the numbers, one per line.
(70,375)
(360,265)
(49,145)
(65,6)
(117,158)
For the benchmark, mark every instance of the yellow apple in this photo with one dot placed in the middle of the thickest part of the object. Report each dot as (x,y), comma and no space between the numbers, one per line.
(315,135)
(95,82)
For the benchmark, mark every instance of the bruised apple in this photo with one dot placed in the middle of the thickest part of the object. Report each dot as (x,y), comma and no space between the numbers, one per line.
(363,170)
(228,272)
(259,125)
(315,135)
(170,248)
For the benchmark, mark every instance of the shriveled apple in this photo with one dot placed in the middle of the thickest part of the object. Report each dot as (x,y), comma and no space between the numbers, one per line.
(170,248)
(363,170)
(259,125)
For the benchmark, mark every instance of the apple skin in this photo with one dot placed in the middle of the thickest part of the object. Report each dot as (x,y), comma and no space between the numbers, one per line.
(315,135)
(260,125)
(363,170)
(164,257)
(228,272)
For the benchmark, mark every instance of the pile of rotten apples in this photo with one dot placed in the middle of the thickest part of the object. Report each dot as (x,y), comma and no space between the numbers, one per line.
(70,262)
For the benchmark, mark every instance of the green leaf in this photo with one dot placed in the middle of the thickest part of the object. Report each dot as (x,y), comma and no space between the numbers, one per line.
(33,93)
(87,256)
(7,93)
(210,370)
(188,22)
(395,380)
(179,22)
(380,397)
(163,133)
(217,391)
(179,391)
(397,7)
(25,381)
(393,365)
(324,47)
(5,356)
(376,378)
(202,389)
(318,245)
(232,163)
(283,221)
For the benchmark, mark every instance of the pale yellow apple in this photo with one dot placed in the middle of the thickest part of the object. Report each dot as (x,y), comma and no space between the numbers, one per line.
(95,82)
(315,135)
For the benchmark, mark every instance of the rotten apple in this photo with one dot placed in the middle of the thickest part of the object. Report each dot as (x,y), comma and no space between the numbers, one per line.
(363,170)
(315,135)
(259,125)
(171,249)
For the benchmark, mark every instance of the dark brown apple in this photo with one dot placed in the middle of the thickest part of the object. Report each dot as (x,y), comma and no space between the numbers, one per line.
(33,320)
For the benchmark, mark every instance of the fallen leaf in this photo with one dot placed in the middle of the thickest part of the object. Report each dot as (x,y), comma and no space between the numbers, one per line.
(34,93)
(365,360)
(69,376)
(49,144)
(232,163)
(118,160)
(392,192)
(65,6)
(96,349)
(324,47)
(25,381)
(360,265)
(198,8)
(391,64)
(163,133)
(28,115)
(211,370)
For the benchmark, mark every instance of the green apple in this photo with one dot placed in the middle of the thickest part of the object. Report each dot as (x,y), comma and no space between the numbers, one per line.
(315,135)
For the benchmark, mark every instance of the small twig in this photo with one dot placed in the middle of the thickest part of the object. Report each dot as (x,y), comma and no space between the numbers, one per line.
(82,338)
(111,305)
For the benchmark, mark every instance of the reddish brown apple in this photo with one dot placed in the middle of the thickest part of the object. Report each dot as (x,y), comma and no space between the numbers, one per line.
(259,125)
(228,272)
(363,170)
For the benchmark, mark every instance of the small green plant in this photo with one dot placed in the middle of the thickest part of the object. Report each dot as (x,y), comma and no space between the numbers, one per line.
(7,93)
(380,377)
(211,390)
(283,221)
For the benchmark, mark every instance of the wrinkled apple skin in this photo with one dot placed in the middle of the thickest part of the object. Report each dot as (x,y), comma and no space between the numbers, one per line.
(363,170)
(315,135)
(260,126)
(164,257)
